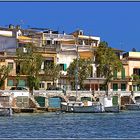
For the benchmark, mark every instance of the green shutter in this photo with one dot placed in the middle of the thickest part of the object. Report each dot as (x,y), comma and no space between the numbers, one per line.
(138,87)
(65,67)
(115,100)
(21,83)
(115,74)
(10,83)
(115,87)
(123,73)
(123,87)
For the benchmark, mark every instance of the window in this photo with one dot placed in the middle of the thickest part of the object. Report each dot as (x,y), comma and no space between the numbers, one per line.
(21,83)
(42,66)
(123,73)
(48,85)
(42,85)
(115,74)
(17,68)
(123,87)
(10,64)
(48,42)
(48,62)
(115,87)
(63,67)
(138,87)
(10,83)
(136,71)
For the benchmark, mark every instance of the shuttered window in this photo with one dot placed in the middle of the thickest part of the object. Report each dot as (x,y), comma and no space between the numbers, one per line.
(115,74)
(123,73)
(115,87)
(123,87)
(10,83)
(65,67)
(21,83)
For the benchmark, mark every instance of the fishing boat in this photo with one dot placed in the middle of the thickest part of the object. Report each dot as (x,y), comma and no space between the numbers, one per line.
(109,105)
(5,107)
(5,112)
(79,107)
(113,109)
(134,104)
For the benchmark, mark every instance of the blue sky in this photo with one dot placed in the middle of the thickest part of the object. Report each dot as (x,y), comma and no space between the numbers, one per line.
(118,23)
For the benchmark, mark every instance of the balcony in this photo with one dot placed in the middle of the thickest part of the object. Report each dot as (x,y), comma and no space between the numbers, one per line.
(45,48)
(58,36)
(71,47)
(118,78)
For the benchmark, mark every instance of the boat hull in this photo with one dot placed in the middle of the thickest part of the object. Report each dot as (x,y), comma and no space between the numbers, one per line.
(132,106)
(5,111)
(82,109)
(113,109)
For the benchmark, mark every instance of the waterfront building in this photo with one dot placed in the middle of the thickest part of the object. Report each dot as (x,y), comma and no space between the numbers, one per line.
(61,49)
(132,67)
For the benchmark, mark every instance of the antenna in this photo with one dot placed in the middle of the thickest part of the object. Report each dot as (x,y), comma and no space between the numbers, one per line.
(21,22)
(121,45)
(58,29)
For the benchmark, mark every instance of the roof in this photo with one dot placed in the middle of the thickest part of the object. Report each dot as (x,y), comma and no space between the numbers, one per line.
(118,50)
(8,36)
(88,37)
(24,38)
(86,54)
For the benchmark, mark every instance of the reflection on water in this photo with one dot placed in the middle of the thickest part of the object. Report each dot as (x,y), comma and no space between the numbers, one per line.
(70,125)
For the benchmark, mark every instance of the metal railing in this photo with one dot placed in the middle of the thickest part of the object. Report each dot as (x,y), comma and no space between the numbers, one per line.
(45,48)
(58,36)
(73,47)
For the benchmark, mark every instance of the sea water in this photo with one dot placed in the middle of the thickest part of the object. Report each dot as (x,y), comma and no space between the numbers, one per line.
(71,125)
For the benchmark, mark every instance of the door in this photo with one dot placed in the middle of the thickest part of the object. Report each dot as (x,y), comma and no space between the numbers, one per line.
(55,102)
(22,101)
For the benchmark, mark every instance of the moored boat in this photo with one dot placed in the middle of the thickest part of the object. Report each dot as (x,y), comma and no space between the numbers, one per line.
(79,107)
(110,104)
(5,105)
(113,109)
(132,106)
(5,111)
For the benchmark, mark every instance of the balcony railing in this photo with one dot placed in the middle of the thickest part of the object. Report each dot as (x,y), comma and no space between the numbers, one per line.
(44,49)
(73,47)
(58,36)
(122,78)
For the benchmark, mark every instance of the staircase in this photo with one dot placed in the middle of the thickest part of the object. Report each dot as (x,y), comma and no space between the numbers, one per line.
(34,101)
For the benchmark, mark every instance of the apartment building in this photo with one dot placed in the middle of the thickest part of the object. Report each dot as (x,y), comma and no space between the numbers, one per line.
(61,49)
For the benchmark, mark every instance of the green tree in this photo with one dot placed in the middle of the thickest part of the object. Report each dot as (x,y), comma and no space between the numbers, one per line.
(135,79)
(30,64)
(52,71)
(83,71)
(107,62)
(4,72)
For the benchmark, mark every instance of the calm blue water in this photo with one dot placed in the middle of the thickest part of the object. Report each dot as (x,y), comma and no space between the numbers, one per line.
(52,125)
